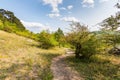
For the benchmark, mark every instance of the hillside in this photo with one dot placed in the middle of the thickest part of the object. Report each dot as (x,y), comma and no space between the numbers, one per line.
(9,22)
(22,59)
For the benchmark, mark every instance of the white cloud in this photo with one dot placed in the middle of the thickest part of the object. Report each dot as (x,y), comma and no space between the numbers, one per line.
(70,7)
(101,1)
(52,15)
(54,4)
(69,19)
(35,25)
(67,8)
(88,3)
(62,8)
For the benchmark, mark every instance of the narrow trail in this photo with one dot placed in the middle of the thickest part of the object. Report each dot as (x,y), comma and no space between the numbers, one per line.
(60,69)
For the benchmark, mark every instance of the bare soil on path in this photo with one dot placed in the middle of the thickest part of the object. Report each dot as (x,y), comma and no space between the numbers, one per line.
(60,69)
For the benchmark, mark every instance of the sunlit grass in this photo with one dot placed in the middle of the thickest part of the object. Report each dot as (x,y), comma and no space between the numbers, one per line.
(22,59)
(99,67)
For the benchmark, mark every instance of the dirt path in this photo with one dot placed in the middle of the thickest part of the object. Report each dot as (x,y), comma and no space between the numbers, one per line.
(61,70)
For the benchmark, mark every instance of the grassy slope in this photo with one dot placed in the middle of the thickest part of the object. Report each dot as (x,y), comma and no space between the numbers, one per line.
(21,59)
(100,67)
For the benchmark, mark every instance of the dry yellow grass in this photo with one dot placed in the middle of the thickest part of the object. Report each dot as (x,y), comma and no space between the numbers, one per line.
(21,59)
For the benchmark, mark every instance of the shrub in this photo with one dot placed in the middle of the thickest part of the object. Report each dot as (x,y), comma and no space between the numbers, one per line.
(45,40)
(83,40)
(90,47)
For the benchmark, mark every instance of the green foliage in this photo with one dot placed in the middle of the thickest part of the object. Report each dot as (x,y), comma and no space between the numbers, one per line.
(46,40)
(111,38)
(111,23)
(84,42)
(110,34)
(90,46)
(11,21)
(60,38)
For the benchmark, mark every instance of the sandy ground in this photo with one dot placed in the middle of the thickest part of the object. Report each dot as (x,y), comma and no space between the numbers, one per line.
(60,69)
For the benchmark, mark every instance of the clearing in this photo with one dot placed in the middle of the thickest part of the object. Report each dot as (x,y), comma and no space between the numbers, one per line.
(22,59)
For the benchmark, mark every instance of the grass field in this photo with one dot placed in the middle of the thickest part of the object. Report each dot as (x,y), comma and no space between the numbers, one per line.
(100,67)
(22,59)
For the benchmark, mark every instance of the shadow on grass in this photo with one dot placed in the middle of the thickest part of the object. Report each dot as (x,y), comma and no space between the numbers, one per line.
(41,46)
(95,68)
(34,45)
(49,56)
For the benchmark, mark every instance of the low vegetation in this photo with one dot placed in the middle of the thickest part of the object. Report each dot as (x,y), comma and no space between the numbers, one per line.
(30,58)
(22,59)
(99,67)
(85,42)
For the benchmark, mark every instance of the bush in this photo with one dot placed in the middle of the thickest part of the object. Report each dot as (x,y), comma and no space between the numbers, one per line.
(83,40)
(90,47)
(46,40)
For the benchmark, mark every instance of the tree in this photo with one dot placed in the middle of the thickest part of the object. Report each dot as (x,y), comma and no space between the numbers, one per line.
(59,36)
(111,23)
(9,17)
(2,12)
(109,28)
(84,42)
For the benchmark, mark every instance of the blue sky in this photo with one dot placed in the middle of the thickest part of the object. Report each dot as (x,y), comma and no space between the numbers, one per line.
(37,15)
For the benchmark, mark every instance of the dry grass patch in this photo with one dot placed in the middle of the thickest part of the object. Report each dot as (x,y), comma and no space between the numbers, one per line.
(21,59)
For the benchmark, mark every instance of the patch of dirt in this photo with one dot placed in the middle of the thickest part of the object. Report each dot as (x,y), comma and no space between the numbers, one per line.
(60,69)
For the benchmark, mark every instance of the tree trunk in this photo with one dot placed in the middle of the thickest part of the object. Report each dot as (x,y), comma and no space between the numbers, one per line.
(77,51)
